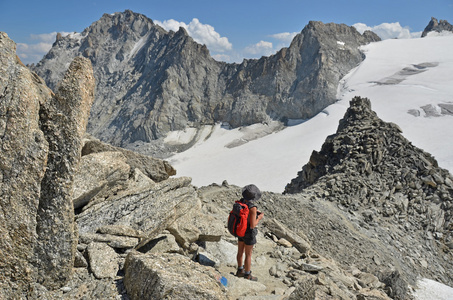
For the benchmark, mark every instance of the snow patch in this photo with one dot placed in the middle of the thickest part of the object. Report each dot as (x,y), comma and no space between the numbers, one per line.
(428,289)
(442,33)
(138,45)
(75,35)
(180,136)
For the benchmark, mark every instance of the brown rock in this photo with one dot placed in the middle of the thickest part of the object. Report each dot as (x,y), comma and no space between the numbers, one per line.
(63,121)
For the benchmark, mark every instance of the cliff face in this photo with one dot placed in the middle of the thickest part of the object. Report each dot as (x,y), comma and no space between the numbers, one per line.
(40,138)
(150,81)
(23,160)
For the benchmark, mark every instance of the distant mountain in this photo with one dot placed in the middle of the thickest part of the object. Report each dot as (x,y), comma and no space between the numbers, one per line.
(437,26)
(150,81)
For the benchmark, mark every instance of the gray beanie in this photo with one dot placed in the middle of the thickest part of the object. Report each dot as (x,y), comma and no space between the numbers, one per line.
(251,192)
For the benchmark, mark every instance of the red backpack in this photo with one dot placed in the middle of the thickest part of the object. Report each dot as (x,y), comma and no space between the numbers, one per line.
(237,220)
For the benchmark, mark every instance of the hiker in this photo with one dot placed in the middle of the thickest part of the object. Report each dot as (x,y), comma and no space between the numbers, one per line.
(250,194)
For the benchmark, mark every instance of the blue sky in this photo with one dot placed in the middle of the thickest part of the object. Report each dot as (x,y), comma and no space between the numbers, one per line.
(231,29)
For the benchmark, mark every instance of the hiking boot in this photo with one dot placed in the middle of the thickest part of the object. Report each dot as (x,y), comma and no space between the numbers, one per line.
(250,277)
(240,272)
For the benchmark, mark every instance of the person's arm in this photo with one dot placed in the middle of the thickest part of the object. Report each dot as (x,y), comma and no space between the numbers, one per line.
(253,219)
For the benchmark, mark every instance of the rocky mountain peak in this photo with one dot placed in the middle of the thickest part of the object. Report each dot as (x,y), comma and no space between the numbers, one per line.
(437,26)
(150,81)
(368,169)
(370,161)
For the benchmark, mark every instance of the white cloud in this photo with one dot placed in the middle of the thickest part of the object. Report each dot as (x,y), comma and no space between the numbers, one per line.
(389,30)
(171,24)
(201,33)
(47,37)
(285,37)
(34,52)
(260,48)
(222,57)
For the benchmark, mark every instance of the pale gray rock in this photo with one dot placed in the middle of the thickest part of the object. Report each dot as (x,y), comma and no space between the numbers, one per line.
(368,280)
(172,276)
(103,260)
(150,210)
(239,287)
(311,267)
(196,226)
(121,231)
(98,174)
(163,243)
(283,232)
(223,252)
(114,241)
(285,243)
(156,169)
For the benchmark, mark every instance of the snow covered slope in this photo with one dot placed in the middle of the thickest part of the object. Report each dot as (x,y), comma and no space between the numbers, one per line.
(409,82)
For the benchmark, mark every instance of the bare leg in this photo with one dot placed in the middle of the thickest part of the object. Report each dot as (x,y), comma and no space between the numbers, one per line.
(248,258)
(241,247)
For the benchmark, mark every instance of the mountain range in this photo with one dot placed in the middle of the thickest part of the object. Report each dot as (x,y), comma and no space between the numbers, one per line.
(150,81)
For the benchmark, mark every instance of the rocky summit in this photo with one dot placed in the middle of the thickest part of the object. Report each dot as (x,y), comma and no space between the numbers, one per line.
(383,181)
(437,26)
(150,81)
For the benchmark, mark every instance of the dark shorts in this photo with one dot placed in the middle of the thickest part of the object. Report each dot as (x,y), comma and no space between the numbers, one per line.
(249,237)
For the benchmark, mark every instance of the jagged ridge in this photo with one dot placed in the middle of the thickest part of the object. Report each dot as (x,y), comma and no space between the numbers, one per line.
(150,81)
(369,167)
(437,26)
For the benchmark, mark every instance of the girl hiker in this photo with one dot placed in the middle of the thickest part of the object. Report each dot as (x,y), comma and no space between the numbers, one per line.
(250,194)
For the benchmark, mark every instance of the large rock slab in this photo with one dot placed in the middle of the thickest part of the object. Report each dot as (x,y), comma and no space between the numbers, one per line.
(98,174)
(103,260)
(156,169)
(196,225)
(149,210)
(169,276)
(283,232)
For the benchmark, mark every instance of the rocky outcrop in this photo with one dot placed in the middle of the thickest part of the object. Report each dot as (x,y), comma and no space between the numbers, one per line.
(156,169)
(370,170)
(23,159)
(41,136)
(63,122)
(150,209)
(150,81)
(173,276)
(98,175)
(382,169)
(437,26)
